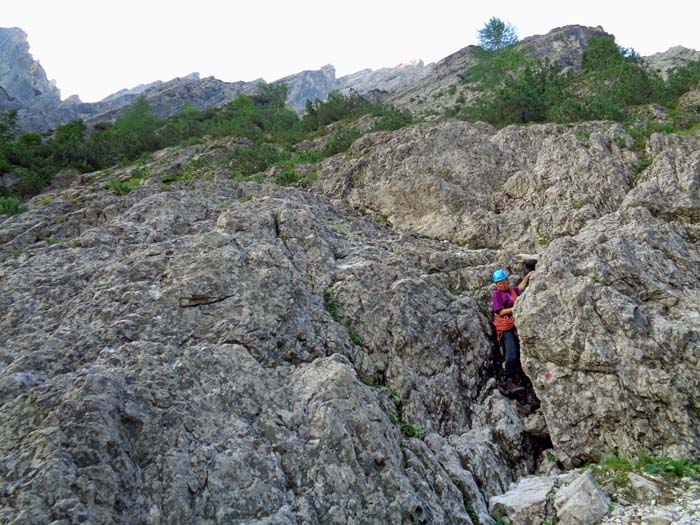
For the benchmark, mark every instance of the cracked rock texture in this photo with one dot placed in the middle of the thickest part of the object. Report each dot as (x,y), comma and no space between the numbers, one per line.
(617,370)
(234,353)
(216,351)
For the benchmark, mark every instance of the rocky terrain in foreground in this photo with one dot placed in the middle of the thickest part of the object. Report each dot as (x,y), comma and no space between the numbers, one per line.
(220,351)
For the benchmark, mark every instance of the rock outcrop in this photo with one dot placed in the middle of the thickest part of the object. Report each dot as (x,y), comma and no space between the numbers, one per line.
(619,257)
(672,58)
(519,187)
(221,351)
(562,45)
(22,79)
(625,293)
(441,87)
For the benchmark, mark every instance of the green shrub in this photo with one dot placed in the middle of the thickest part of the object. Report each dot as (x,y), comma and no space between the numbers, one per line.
(341,140)
(122,188)
(287,176)
(11,206)
(248,160)
(410,431)
(668,467)
(330,305)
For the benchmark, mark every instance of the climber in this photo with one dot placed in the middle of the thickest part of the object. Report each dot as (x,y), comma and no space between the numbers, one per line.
(504,297)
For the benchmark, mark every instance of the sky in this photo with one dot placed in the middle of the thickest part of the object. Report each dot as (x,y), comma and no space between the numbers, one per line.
(93,48)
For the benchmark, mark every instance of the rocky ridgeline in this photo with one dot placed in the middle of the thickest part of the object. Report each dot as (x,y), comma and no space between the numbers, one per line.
(425,90)
(441,86)
(24,87)
(211,350)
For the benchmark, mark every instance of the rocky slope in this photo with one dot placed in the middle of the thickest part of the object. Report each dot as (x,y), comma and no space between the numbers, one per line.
(618,250)
(517,188)
(220,351)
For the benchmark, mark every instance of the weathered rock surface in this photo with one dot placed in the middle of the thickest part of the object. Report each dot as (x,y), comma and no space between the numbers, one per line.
(674,57)
(582,502)
(562,45)
(626,298)
(518,187)
(569,499)
(195,353)
(619,257)
(525,503)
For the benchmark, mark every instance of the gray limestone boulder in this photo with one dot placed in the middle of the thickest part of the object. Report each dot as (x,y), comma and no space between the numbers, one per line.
(616,367)
(525,503)
(582,502)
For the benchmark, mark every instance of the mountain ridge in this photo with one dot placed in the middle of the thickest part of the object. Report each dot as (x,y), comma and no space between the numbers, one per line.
(414,86)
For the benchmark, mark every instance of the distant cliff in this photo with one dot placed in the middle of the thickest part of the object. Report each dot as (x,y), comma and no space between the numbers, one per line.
(23,82)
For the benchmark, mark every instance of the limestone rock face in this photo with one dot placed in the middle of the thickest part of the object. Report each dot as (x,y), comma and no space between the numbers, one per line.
(672,58)
(222,352)
(562,45)
(582,502)
(385,79)
(519,187)
(22,79)
(309,85)
(610,329)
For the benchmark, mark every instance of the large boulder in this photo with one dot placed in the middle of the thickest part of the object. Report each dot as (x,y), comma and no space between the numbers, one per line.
(582,502)
(525,503)
(517,188)
(609,326)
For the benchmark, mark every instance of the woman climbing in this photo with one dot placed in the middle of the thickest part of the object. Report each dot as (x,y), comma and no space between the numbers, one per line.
(504,297)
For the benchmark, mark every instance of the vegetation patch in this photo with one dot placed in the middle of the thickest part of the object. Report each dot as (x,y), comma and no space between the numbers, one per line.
(123,187)
(664,470)
(269,128)
(11,206)
(611,82)
(287,176)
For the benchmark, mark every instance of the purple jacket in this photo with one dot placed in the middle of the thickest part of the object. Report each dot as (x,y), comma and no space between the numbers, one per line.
(503,300)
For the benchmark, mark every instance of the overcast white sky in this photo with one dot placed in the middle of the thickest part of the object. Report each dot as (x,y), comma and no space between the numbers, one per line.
(96,47)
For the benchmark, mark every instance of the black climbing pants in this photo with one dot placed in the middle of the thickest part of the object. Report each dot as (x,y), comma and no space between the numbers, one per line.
(512,353)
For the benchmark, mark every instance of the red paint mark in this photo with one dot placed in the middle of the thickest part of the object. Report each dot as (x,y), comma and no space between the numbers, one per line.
(549,376)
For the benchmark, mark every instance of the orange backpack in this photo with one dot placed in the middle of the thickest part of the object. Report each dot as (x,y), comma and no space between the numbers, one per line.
(507,322)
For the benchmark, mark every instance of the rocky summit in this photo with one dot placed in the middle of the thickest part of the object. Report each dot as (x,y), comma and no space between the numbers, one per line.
(312,343)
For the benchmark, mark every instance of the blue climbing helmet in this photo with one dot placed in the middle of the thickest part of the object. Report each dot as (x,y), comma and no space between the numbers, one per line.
(499,275)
